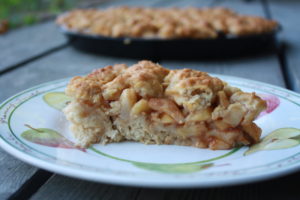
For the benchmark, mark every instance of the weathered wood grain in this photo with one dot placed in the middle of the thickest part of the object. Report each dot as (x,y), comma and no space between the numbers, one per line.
(60,187)
(61,64)
(64,63)
(243,7)
(287,13)
(113,3)
(22,44)
(185,3)
(263,68)
(14,173)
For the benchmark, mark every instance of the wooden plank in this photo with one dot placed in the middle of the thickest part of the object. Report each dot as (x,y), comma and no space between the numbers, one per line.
(185,3)
(60,187)
(242,6)
(22,44)
(263,68)
(134,3)
(61,64)
(287,13)
(14,173)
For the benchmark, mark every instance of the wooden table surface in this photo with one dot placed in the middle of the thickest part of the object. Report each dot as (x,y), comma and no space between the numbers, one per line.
(40,53)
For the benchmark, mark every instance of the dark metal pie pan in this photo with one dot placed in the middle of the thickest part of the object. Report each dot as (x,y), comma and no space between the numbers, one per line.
(224,46)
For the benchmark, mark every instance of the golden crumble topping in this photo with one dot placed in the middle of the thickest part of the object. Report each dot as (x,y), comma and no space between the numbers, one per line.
(151,104)
(164,22)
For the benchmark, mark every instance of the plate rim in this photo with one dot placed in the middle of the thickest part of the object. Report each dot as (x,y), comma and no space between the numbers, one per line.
(73,172)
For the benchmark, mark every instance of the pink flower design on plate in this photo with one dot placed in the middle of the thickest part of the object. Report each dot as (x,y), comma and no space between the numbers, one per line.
(272,103)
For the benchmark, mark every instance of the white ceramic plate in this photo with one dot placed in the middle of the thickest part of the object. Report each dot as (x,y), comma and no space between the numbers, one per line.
(38,134)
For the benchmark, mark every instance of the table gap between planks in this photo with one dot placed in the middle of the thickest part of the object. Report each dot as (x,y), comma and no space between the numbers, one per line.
(49,56)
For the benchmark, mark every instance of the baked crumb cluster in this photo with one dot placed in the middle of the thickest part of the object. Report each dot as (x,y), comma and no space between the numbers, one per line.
(154,105)
(164,22)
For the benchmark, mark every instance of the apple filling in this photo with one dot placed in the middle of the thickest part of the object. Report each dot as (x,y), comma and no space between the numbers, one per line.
(153,105)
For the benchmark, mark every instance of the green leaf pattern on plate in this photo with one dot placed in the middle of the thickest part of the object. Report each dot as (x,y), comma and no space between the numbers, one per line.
(57,100)
(172,168)
(48,137)
(279,139)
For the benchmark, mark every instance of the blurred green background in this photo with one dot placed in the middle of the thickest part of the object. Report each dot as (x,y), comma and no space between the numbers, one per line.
(24,12)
